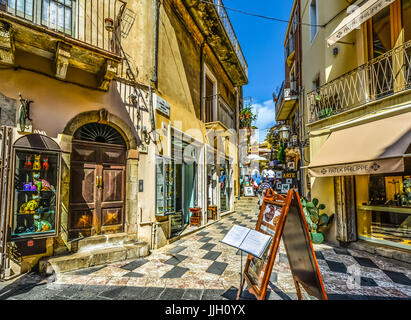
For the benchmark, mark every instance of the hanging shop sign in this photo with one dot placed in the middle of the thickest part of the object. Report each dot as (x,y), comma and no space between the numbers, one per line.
(161,105)
(35,187)
(285,181)
(283,218)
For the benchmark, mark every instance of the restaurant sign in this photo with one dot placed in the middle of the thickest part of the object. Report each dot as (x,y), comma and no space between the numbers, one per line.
(360,168)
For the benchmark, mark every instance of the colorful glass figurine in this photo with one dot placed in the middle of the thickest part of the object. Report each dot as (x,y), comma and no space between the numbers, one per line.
(41,225)
(29,207)
(27,186)
(45,185)
(36,164)
(45,164)
(27,164)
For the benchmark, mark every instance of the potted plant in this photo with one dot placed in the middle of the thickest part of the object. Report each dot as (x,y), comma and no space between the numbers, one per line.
(316,222)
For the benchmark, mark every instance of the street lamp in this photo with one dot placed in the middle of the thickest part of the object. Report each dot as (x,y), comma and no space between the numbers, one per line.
(284,133)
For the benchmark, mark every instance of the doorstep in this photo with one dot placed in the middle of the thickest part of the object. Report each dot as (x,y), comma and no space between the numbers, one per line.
(100,256)
(381,250)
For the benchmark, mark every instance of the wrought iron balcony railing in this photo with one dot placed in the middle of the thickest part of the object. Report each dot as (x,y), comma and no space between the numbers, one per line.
(383,76)
(83,20)
(225,20)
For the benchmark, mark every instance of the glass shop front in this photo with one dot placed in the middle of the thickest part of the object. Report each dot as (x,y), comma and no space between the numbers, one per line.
(225,179)
(177,184)
(384,208)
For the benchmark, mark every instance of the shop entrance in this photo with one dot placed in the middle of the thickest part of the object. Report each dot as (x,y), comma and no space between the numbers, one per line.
(190,189)
(97,188)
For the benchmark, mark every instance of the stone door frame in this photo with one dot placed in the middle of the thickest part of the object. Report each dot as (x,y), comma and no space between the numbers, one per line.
(131,204)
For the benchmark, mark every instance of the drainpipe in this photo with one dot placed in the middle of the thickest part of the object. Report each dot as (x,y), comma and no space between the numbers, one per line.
(202,79)
(153,86)
(154,78)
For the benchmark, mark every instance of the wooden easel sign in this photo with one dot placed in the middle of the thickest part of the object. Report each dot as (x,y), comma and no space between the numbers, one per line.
(283,216)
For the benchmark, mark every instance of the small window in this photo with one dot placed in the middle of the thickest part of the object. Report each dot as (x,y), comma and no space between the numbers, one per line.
(313,19)
(21,8)
(57,15)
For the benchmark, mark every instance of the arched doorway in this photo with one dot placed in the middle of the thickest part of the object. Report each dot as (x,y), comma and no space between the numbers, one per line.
(97,181)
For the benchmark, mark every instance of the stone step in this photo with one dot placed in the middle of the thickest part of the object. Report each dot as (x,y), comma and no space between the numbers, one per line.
(103,241)
(86,259)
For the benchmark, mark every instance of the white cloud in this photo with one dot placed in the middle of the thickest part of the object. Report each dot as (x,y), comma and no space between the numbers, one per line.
(265,112)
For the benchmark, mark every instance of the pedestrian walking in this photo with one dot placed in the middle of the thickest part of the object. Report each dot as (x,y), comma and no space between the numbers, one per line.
(271,177)
(264,174)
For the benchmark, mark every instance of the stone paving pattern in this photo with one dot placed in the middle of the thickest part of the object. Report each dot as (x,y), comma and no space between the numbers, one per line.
(200,267)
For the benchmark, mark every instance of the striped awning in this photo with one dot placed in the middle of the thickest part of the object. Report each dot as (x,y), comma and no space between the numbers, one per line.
(359,12)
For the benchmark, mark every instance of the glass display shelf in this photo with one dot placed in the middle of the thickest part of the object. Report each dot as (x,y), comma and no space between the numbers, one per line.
(35,181)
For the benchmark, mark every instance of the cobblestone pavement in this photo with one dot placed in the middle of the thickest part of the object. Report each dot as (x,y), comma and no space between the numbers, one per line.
(200,267)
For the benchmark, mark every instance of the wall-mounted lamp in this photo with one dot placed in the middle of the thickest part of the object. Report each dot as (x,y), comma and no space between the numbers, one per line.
(284,133)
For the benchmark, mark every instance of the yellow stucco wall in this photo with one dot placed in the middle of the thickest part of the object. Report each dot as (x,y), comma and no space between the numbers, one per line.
(179,83)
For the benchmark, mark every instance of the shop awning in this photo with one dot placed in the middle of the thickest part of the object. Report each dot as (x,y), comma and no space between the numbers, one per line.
(362,11)
(371,148)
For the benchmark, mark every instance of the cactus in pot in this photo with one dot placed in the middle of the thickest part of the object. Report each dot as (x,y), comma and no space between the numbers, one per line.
(316,221)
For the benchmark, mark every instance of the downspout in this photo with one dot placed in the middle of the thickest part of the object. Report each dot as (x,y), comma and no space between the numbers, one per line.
(202,80)
(153,86)
(237,129)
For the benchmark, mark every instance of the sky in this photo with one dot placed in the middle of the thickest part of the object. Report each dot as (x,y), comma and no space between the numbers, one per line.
(262,42)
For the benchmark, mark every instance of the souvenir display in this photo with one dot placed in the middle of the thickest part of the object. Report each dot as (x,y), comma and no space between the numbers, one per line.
(34,199)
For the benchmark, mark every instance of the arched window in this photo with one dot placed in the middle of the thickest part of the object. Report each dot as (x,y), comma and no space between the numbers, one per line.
(98,132)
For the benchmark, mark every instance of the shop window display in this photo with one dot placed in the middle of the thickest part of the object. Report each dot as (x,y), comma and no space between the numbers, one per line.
(35,193)
(165,184)
(386,215)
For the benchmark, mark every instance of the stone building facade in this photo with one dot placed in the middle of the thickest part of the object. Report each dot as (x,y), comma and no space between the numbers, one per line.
(109,83)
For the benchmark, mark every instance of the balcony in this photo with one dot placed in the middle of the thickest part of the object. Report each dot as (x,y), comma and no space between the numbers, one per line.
(69,34)
(213,21)
(218,115)
(287,99)
(381,77)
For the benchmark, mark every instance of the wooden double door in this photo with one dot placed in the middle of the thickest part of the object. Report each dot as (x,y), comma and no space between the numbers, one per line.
(97,189)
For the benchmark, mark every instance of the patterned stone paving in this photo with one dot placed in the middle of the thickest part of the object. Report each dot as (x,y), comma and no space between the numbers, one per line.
(199,266)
